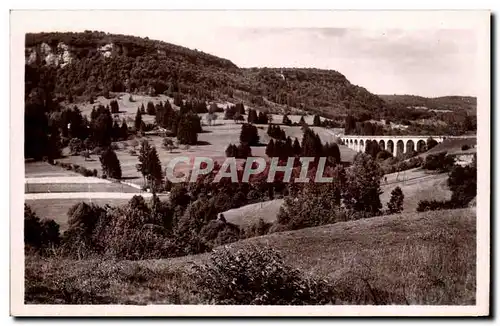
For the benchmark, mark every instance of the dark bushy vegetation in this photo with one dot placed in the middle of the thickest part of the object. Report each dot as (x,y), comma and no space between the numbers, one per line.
(395,204)
(258,277)
(440,162)
(77,168)
(155,67)
(39,235)
(110,164)
(249,134)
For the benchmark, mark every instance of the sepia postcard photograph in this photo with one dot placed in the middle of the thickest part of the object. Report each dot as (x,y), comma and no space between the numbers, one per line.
(250,163)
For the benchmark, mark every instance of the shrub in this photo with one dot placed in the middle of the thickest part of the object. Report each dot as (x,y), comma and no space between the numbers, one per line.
(465,147)
(39,234)
(316,204)
(219,232)
(432,205)
(75,146)
(249,134)
(259,228)
(462,181)
(98,150)
(440,162)
(383,155)
(257,277)
(232,150)
(431,142)
(115,146)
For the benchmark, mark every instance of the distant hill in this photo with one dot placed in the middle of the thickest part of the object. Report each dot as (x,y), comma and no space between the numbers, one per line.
(452,103)
(81,65)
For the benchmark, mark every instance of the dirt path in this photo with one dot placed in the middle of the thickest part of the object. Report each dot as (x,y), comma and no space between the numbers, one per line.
(83,195)
(66,179)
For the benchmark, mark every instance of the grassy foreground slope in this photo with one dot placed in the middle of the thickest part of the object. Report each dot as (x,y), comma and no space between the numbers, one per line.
(425,258)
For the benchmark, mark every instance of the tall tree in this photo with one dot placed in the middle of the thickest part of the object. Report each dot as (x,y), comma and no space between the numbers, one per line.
(138,120)
(124,130)
(270,148)
(317,120)
(311,144)
(252,116)
(189,126)
(362,192)
(110,164)
(149,165)
(114,106)
(296,147)
(395,204)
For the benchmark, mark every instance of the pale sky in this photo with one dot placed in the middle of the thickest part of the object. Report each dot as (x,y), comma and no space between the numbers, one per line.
(419,61)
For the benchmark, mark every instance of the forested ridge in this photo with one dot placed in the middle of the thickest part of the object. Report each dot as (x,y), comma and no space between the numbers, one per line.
(89,64)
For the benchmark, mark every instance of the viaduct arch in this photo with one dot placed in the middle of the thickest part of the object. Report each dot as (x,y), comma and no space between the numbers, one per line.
(393,144)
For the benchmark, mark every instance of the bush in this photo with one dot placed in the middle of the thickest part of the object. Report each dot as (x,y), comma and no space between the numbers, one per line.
(431,143)
(75,146)
(462,181)
(465,147)
(383,155)
(257,229)
(432,205)
(440,162)
(219,232)
(257,277)
(98,151)
(249,134)
(39,234)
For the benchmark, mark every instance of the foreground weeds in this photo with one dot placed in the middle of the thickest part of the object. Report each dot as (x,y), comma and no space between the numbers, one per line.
(417,259)
(104,282)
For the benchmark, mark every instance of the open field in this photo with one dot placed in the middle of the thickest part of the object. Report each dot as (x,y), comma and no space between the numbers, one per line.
(44,169)
(425,258)
(417,185)
(250,214)
(453,145)
(57,208)
(78,187)
(213,143)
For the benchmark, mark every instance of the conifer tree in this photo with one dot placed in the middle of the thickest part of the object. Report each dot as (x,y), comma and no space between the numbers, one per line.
(252,116)
(124,130)
(270,148)
(317,120)
(110,164)
(296,147)
(138,120)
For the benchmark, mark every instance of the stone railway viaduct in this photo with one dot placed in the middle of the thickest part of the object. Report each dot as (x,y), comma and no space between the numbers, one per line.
(393,144)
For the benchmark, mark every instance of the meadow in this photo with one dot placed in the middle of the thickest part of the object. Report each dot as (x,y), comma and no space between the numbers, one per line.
(425,258)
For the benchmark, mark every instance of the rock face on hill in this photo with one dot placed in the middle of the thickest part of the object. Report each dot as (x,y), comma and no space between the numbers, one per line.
(95,63)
